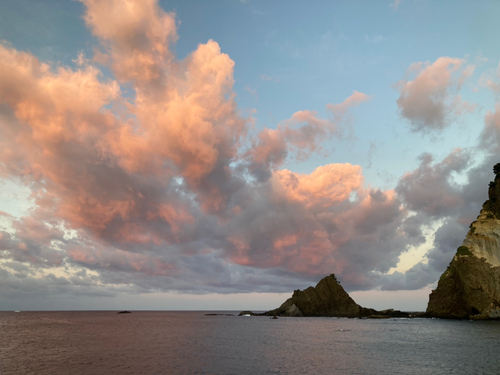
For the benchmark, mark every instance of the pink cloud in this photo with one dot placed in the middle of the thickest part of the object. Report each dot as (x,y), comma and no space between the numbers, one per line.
(287,240)
(490,80)
(325,186)
(352,101)
(302,133)
(426,100)
(136,35)
(162,184)
(6,214)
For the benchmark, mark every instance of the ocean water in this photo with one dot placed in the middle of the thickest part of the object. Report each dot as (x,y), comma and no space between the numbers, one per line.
(191,343)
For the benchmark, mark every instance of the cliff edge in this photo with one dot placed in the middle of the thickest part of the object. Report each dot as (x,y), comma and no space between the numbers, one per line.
(470,287)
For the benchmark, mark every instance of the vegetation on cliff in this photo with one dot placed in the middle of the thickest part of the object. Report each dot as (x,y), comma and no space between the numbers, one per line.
(470,287)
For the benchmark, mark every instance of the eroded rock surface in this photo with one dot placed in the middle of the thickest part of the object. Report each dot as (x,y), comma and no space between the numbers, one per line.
(470,287)
(328,298)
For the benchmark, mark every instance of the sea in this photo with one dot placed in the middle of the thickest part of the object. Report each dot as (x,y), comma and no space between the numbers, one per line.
(190,342)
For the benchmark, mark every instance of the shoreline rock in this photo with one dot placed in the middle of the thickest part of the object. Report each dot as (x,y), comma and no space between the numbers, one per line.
(470,286)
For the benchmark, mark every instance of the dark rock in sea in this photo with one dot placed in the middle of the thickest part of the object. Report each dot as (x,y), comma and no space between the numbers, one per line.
(212,314)
(328,298)
(274,317)
(124,312)
(378,317)
(391,313)
(470,287)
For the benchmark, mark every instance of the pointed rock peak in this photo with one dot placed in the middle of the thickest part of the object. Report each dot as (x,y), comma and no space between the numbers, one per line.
(328,298)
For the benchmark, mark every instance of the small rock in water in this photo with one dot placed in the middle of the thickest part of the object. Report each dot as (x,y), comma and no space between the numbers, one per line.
(246,313)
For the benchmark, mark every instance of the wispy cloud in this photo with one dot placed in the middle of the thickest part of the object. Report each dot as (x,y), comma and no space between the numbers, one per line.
(373,39)
(395,4)
(265,77)
(252,92)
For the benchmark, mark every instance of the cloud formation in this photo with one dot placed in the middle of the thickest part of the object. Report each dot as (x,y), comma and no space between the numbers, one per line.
(165,186)
(433,197)
(149,178)
(302,134)
(430,188)
(427,100)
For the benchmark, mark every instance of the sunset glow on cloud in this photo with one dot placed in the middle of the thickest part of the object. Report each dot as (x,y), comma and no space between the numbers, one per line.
(146,175)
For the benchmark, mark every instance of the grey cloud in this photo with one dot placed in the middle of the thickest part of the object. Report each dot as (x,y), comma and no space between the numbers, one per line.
(457,217)
(446,241)
(430,188)
(5,241)
(12,286)
(490,137)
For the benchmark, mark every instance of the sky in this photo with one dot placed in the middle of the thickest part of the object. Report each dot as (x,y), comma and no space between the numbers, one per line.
(195,155)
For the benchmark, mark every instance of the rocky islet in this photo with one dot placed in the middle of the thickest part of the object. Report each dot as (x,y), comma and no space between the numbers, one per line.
(327,298)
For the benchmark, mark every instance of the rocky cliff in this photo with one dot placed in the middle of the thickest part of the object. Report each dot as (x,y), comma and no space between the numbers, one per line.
(470,287)
(328,298)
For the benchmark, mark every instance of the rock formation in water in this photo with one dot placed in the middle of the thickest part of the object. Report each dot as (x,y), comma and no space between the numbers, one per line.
(470,287)
(328,298)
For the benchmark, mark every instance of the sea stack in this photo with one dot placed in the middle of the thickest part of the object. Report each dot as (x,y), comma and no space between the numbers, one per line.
(328,298)
(470,287)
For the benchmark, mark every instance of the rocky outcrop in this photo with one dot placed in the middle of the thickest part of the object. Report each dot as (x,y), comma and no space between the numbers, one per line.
(328,298)
(470,287)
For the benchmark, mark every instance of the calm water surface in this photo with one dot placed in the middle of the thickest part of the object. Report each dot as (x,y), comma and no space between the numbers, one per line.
(192,343)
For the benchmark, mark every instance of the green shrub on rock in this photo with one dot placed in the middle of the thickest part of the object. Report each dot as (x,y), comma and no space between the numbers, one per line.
(496,168)
(463,250)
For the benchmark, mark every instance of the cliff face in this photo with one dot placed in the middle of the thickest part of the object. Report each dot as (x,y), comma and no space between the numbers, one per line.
(328,298)
(470,287)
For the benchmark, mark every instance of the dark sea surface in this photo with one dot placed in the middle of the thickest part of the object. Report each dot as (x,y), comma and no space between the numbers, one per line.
(192,343)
